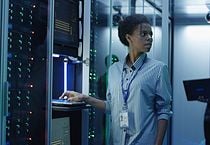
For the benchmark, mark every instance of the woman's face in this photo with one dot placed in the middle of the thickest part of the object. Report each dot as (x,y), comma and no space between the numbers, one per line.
(141,39)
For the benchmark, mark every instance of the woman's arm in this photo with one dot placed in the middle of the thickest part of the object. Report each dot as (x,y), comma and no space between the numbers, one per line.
(161,130)
(78,97)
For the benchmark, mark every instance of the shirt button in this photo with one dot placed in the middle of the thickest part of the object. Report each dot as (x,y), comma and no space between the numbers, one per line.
(127,79)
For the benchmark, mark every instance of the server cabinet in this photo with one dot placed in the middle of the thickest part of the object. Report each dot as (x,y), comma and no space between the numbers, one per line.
(70,69)
(25,71)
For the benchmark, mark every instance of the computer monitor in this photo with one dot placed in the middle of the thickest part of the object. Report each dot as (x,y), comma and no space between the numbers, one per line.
(197,89)
(66,103)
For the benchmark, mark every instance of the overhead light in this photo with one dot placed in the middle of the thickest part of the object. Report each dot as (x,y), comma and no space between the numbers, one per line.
(208,17)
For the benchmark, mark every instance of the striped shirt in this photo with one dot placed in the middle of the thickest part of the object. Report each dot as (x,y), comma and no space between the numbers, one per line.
(149,100)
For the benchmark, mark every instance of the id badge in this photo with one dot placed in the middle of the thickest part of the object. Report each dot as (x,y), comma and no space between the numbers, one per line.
(124,119)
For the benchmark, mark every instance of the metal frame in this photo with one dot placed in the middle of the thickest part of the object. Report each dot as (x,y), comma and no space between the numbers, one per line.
(85,68)
(1,109)
(4,10)
(86,47)
(50,44)
(165,31)
(166,50)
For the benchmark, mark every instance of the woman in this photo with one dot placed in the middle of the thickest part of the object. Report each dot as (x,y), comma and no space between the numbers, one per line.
(139,91)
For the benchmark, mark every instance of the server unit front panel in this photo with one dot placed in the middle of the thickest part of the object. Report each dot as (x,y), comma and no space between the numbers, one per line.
(27,60)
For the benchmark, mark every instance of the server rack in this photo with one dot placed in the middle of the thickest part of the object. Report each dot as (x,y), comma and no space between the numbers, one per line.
(26,63)
(70,66)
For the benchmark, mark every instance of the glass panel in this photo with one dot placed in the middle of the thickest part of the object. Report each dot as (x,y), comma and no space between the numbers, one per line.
(99,49)
(154,16)
(105,48)
(117,48)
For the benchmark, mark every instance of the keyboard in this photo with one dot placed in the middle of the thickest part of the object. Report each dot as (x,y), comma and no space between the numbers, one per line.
(63,102)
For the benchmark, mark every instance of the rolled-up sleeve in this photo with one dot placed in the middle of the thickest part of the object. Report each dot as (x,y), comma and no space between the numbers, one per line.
(163,94)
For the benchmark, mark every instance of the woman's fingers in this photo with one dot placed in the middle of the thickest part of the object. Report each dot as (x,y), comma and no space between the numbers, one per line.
(71,96)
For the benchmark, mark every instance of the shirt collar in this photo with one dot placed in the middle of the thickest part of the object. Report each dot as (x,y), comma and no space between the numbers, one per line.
(137,63)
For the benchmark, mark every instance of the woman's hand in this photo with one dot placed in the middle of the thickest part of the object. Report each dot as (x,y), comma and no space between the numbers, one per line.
(78,97)
(72,96)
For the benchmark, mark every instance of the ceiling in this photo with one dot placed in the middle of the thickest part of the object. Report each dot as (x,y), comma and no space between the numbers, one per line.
(183,9)
(190,8)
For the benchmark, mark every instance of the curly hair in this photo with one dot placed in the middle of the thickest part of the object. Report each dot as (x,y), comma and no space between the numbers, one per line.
(129,24)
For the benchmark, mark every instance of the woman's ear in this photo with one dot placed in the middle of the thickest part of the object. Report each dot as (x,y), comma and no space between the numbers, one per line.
(128,38)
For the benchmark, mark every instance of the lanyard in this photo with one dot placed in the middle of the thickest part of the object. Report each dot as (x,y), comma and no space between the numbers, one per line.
(126,91)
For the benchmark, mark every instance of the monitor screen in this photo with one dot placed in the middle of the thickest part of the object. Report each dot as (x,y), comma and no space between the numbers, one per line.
(197,89)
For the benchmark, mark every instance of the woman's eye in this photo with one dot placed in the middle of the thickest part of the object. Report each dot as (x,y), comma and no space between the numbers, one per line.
(143,34)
